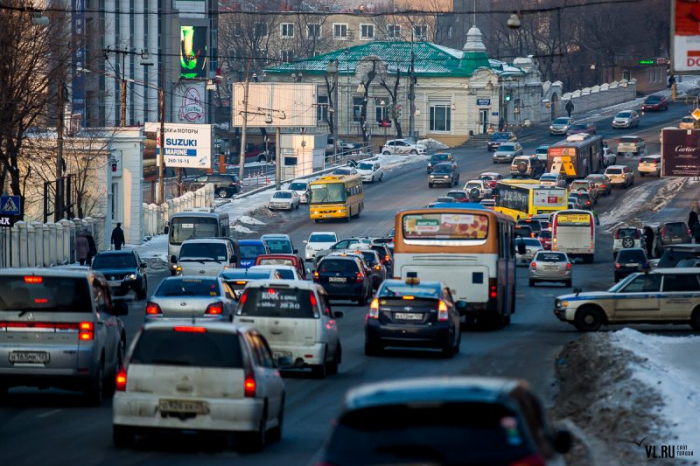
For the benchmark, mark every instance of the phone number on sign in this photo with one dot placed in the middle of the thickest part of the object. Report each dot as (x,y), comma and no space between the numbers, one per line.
(178,160)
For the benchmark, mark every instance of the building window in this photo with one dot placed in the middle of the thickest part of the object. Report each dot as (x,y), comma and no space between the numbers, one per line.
(367,31)
(340,31)
(287,30)
(393,30)
(381,113)
(314,30)
(287,56)
(420,32)
(449,32)
(237,29)
(115,201)
(357,108)
(440,117)
(260,30)
(322,108)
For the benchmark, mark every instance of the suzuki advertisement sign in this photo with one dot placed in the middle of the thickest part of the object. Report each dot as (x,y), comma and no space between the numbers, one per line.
(680,152)
(685,36)
(185,145)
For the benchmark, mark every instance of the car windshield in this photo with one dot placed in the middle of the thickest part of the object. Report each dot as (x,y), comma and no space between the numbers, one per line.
(614,171)
(188,287)
(298,186)
(506,147)
(497,136)
(278,303)
(202,252)
(251,251)
(165,347)
(623,115)
(328,193)
(182,229)
(114,261)
(439,158)
(429,433)
(45,294)
(458,194)
(282,195)
(279,246)
(548,178)
(442,169)
(322,238)
(545,234)
(561,121)
(366,166)
(652,99)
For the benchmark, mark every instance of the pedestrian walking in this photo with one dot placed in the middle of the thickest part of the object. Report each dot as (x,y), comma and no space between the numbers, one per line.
(692,219)
(82,248)
(695,208)
(93,247)
(569,108)
(117,237)
(649,241)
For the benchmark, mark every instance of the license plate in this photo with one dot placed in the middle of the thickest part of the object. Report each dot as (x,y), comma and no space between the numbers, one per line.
(281,354)
(183,406)
(337,279)
(29,357)
(407,316)
(632,265)
(114,283)
(551,267)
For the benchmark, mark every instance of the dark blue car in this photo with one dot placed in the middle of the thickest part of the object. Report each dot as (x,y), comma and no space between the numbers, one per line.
(250,250)
(124,272)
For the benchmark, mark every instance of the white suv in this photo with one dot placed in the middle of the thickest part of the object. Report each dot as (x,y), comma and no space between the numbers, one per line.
(403,146)
(620,175)
(649,165)
(481,186)
(208,257)
(319,241)
(296,318)
(627,237)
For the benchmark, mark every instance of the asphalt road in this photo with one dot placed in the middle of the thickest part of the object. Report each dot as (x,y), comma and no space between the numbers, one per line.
(54,427)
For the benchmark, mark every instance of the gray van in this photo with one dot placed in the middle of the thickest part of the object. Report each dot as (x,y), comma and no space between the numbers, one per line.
(60,328)
(207,257)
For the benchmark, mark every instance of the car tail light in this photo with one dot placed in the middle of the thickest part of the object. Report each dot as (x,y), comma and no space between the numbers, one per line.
(86,331)
(492,290)
(359,277)
(312,299)
(242,299)
(663,232)
(249,384)
(120,380)
(533,265)
(316,276)
(33,279)
(534,460)
(617,266)
(374,309)
(532,234)
(215,309)
(568,266)
(442,311)
(153,309)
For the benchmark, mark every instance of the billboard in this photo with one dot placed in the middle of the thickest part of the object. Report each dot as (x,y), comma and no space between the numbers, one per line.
(685,36)
(78,57)
(550,197)
(189,102)
(274,104)
(193,52)
(680,152)
(185,145)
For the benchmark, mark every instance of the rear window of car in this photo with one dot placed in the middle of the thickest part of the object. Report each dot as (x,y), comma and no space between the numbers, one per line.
(461,194)
(439,157)
(548,178)
(114,261)
(276,261)
(279,246)
(545,234)
(627,256)
(338,265)
(278,302)
(166,347)
(418,433)
(561,121)
(251,251)
(45,294)
(523,230)
(676,229)
(623,232)
(627,140)
(613,171)
(298,186)
(550,257)
(533,242)
(282,195)
(535,225)
(670,257)
(188,287)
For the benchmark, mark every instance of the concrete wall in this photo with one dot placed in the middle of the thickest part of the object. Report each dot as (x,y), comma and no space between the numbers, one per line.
(597,97)
(155,216)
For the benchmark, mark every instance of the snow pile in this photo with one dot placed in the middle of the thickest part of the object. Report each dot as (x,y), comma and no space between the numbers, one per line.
(392,161)
(689,83)
(433,144)
(155,249)
(670,367)
(241,229)
(250,220)
(634,202)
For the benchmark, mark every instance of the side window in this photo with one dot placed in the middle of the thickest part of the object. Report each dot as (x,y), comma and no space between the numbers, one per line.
(264,351)
(681,282)
(644,283)
(325,305)
(99,296)
(258,359)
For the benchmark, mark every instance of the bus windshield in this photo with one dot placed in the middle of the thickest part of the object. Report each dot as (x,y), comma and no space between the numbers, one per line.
(445,226)
(183,229)
(330,193)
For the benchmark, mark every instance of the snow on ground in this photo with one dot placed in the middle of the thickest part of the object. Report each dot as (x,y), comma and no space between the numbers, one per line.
(669,366)
(241,229)
(689,82)
(433,144)
(250,220)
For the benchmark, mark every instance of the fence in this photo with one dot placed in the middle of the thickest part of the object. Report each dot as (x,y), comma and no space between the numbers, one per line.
(155,217)
(37,244)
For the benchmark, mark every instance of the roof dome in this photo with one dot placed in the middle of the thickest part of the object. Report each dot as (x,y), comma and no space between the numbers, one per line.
(474,42)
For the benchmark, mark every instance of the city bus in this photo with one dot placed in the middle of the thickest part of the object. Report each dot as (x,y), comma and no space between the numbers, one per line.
(336,196)
(577,156)
(524,198)
(573,232)
(468,247)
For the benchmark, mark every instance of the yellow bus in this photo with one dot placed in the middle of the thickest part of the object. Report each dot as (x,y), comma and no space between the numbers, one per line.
(525,198)
(336,196)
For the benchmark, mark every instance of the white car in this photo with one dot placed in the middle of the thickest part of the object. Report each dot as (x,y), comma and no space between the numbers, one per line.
(403,146)
(284,199)
(553,180)
(609,157)
(319,241)
(214,377)
(285,272)
(302,190)
(481,186)
(531,247)
(297,320)
(370,171)
(649,165)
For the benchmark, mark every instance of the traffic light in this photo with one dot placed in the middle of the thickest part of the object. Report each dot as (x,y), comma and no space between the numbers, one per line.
(508,97)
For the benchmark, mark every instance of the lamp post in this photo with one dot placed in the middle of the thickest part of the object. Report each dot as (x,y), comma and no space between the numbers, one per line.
(332,70)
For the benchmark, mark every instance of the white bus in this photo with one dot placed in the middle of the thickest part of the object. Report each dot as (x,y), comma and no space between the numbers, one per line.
(573,232)
(195,224)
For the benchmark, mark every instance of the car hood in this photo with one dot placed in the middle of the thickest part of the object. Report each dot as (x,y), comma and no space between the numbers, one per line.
(559,125)
(586,295)
(622,118)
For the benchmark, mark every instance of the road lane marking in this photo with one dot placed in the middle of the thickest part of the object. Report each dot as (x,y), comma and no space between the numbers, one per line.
(49,413)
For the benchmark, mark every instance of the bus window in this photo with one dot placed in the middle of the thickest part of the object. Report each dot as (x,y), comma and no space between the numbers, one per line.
(182,229)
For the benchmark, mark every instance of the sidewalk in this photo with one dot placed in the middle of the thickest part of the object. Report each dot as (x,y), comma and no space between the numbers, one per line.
(679,207)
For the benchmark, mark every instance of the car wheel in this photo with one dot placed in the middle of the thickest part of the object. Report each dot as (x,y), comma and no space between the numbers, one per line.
(430,185)
(122,436)
(361,301)
(588,319)
(386,152)
(255,441)
(414,152)
(275,433)
(532,282)
(320,371)
(95,395)
(333,366)
(222,193)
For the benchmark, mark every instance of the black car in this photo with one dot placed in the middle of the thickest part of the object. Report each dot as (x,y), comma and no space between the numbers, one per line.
(446,173)
(439,158)
(384,254)
(535,226)
(499,138)
(224,185)
(629,261)
(344,278)
(124,272)
(413,314)
(444,420)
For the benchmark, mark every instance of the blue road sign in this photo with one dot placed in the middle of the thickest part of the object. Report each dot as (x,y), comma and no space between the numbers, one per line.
(10,205)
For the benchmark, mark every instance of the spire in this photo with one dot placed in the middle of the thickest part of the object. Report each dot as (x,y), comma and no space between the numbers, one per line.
(474,42)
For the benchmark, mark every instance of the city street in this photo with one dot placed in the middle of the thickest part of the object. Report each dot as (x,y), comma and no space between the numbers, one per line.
(54,427)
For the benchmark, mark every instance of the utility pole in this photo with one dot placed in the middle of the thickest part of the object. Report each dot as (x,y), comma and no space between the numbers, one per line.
(122,119)
(278,162)
(58,201)
(412,94)
(161,162)
(244,129)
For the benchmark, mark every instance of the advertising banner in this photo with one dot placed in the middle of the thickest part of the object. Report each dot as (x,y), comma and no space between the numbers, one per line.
(185,145)
(193,52)
(550,197)
(680,152)
(189,102)
(78,57)
(685,36)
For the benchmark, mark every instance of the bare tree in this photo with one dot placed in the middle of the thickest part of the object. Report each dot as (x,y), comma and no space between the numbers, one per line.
(369,68)
(394,95)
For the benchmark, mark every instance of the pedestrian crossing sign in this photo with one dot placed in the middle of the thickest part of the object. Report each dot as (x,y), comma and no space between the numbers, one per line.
(10,205)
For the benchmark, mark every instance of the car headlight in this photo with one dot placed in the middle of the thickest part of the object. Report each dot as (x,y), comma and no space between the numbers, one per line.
(559,304)
(131,276)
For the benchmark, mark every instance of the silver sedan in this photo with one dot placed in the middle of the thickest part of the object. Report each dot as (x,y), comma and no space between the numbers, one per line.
(549,266)
(525,253)
(183,297)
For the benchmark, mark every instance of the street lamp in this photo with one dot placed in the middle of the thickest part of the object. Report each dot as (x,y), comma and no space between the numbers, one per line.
(332,70)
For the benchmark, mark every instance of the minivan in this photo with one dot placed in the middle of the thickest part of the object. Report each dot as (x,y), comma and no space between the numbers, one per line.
(207,256)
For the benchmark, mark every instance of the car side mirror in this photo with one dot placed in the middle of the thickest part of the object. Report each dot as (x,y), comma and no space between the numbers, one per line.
(521,248)
(144,265)
(284,361)
(296,251)
(338,314)
(173,259)
(120,307)
(305,242)
(562,441)
(234,259)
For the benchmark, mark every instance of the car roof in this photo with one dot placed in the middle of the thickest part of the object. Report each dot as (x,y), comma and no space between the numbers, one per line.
(675,270)
(476,389)
(291,284)
(272,267)
(654,156)
(116,253)
(617,166)
(323,233)
(244,242)
(49,272)
(274,236)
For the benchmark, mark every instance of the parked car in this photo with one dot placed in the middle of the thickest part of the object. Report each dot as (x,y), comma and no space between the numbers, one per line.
(620,175)
(446,173)
(344,278)
(629,261)
(553,180)
(655,103)
(439,157)
(296,319)
(542,152)
(687,122)
(671,233)
(626,119)
(284,199)
(601,183)
(527,166)
(319,241)
(586,186)
(125,272)
(506,152)
(627,237)
(560,126)
(491,178)
(499,138)
(192,297)
(581,128)
(301,188)
(631,144)
(224,185)
(403,146)
(206,378)
(550,266)
(649,165)
(370,171)
(478,189)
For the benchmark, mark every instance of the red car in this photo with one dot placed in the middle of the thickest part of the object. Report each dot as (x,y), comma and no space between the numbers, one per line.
(491,177)
(458,195)
(546,239)
(283,259)
(655,103)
